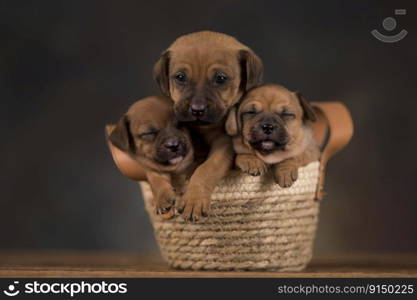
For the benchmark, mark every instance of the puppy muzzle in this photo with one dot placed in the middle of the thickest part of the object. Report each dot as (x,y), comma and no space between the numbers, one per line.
(199,111)
(171,151)
(268,137)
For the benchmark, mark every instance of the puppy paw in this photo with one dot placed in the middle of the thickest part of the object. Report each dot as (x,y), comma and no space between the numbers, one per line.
(285,176)
(193,206)
(164,201)
(251,164)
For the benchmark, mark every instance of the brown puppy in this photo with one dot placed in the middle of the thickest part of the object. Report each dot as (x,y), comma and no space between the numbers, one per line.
(206,73)
(271,126)
(149,133)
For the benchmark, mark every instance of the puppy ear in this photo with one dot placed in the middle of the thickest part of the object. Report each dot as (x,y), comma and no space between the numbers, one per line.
(308,110)
(121,137)
(251,68)
(161,72)
(231,125)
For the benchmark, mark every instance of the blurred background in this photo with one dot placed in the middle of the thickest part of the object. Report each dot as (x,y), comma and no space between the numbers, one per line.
(69,67)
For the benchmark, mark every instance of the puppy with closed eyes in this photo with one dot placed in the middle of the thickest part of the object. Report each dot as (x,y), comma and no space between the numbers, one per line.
(149,133)
(271,127)
(206,73)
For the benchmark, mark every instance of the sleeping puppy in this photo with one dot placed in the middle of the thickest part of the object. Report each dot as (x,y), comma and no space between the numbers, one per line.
(149,133)
(271,127)
(206,73)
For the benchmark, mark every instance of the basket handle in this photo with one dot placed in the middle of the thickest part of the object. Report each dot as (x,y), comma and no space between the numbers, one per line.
(126,165)
(332,131)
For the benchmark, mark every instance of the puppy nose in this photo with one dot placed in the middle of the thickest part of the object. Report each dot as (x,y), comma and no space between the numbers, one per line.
(268,128)
(198,109)
(172,144)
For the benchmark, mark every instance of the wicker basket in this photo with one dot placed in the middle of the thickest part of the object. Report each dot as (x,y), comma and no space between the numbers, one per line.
(254,224)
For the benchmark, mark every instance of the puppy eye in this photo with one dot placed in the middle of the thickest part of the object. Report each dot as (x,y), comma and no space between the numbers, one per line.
(220,79)
(287,115)
(180,78)
(149,134)
(250,113)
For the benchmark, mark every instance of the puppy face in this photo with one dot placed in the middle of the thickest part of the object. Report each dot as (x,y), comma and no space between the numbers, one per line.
(148,133)
(271,119)
(205,73)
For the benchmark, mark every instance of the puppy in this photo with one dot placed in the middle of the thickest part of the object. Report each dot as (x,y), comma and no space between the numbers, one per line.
(271,127)
(206,73)
(149,133)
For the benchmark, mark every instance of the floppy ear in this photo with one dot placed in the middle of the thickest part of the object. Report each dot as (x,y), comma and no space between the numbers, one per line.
(161,72)
(231,125)
(251,68)
(309,113)
(121,137)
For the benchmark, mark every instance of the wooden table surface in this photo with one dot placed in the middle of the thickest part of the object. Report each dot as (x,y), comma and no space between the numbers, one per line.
(104,264)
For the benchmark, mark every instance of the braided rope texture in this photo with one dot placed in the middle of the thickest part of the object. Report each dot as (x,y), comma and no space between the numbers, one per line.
(254,224)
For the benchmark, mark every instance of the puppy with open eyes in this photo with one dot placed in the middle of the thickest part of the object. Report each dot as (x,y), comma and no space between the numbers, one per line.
(206,73)
(149,133)
(271,127)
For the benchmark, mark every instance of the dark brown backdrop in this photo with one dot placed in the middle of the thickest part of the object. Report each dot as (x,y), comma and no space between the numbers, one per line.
(69,67)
